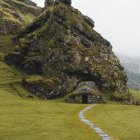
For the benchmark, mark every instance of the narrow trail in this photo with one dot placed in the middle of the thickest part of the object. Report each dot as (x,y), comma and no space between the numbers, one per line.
(99,131)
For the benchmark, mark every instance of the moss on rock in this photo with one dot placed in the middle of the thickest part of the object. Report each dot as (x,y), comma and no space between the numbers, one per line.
(16,14)
(43,87)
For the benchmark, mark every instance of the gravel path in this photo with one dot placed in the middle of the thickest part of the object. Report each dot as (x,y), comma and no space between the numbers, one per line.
(99,131)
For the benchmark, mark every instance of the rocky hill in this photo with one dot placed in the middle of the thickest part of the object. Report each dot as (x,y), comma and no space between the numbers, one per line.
(15,14)
(132,68)
(133,80)
(60,50)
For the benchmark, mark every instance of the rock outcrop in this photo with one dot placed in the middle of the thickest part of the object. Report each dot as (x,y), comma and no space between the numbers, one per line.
(68,2)
(16,14)
(62,44)
(28,2)
(49,3)
(39,84)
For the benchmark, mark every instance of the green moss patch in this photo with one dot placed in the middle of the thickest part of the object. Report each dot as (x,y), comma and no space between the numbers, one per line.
(6,44)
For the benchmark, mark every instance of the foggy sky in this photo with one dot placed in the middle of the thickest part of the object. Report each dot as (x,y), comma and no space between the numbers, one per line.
(118,21)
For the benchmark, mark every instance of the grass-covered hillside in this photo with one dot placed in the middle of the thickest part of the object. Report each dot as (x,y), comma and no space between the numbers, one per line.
(25,117)
(32,119)
(15,14)
(7,45)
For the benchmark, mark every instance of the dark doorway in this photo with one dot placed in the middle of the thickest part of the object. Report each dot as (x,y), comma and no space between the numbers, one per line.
(84,99)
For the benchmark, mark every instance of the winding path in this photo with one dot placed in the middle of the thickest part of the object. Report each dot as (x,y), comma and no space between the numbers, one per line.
(99,131)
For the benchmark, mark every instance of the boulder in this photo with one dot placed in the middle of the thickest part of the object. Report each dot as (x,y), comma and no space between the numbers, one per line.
(13,58)
(29,2)
(43,87)
(67,2)
(89,21)
(49,3)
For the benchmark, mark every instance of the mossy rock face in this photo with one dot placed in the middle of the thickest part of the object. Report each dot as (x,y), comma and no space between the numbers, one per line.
(62,43)
(123,97)
(49,3)
(13,57)
(43,87)
(67,2)
(16,14)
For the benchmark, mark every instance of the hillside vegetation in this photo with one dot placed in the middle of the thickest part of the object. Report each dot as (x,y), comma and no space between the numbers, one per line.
(24,116)
(15,15)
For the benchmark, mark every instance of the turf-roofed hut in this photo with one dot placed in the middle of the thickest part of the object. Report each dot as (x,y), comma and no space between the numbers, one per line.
(86,93)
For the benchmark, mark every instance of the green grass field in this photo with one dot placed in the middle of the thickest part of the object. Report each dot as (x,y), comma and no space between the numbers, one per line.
(121,122)
(34,119)
(25,117)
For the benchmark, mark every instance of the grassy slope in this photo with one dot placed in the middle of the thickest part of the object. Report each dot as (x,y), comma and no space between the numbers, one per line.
(6,45)
(136,94)
(26,118)
(121,122)
(33,119)
(27,17)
